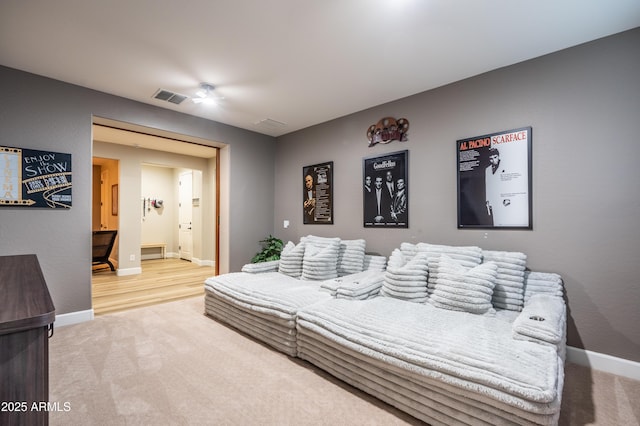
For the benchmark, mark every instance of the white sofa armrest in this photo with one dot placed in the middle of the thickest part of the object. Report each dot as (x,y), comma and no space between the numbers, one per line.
(257,268)
(543,320)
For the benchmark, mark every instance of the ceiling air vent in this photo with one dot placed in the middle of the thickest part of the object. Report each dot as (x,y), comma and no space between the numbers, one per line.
(169,96)
(270,123)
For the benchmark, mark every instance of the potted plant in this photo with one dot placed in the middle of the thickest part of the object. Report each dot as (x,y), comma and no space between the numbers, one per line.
(271,249)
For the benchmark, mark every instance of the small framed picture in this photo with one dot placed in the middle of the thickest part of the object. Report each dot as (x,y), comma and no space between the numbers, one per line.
(386,190)
(317,194)
(114,200)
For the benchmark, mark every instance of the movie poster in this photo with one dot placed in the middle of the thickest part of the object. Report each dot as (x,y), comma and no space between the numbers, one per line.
(32,178)
(317,194)
(385,192)
(494,180)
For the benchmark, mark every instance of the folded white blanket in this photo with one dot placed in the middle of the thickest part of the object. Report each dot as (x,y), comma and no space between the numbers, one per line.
(354,285)
(363,296)
(543,319)
(257,268)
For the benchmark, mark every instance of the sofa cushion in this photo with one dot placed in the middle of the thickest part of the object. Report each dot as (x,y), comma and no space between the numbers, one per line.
(462,289)
(468,256)
(542,283)
(408,250)
(374,262)
(509,290)
(291,259)
(473,358)
(406,280)
(320,258)
(351,257)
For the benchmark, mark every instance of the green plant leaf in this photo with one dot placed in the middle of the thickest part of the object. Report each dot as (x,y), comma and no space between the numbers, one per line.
(271,249)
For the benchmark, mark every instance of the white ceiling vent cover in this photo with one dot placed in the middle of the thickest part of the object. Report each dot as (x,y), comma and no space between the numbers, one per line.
(169,96)
(270,123)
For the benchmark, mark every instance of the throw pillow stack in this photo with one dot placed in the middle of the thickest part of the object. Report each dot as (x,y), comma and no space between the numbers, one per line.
(509,290)
(291,259)
(406,280)
(464,289)
(467,256)
(351,257)
(320,260)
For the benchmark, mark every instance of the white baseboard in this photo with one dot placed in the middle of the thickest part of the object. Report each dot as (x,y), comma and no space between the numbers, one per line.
(602,362)
(203,262)
(129,271)
(73,318)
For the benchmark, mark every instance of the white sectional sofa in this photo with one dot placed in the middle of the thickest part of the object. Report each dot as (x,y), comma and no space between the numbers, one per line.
(263,299)
(450,335)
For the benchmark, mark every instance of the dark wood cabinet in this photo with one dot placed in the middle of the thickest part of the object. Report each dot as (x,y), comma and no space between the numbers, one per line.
(26,319)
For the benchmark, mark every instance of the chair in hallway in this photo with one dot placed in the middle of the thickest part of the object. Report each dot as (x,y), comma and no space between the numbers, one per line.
(101,247)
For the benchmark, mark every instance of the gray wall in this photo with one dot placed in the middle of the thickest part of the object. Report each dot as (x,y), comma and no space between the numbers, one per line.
(40,113)
(583,105)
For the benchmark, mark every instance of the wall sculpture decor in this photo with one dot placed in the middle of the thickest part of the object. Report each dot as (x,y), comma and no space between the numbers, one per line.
(388,129)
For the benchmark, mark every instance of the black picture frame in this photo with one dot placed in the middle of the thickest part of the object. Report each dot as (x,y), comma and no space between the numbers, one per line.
(388,208)
(317,194)
(494,180)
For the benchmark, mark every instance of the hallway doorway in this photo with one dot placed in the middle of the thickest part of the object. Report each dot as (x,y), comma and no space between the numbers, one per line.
(135,151)
(104,212)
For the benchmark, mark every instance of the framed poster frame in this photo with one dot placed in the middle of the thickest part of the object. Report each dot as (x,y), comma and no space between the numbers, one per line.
(33,178)
(494,180)
(388,207)
(114,200)
(317,194)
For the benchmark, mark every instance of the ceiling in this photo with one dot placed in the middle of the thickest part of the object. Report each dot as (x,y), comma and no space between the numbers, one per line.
(283,65)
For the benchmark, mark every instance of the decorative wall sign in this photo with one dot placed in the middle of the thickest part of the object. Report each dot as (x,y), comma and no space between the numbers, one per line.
(385,192)
(32,178)
(388,129)
(317,194)
(494,180)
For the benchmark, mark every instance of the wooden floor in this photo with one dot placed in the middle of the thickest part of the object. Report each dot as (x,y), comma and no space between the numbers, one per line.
(162,280)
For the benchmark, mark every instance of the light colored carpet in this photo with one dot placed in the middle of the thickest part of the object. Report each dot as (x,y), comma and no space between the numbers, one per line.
(168,364)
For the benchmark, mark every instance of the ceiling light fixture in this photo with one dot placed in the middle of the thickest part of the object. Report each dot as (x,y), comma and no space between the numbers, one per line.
(205,95)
